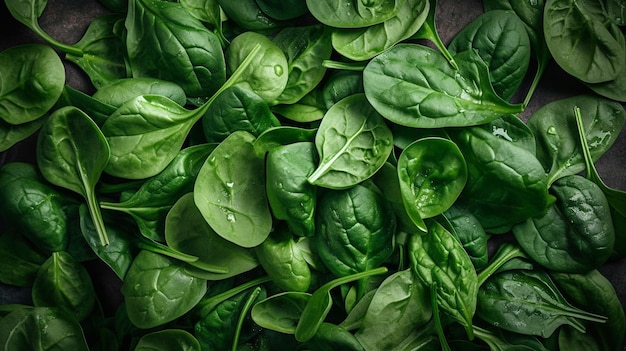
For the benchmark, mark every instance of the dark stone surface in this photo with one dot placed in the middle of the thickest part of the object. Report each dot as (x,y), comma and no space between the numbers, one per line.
(66,20)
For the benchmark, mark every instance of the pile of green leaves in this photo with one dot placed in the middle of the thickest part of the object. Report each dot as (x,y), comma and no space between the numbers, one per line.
(314,175)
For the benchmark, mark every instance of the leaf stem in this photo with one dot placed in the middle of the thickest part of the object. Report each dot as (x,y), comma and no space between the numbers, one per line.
(96,216)
(347,66)
(505,253)
(244,312)
(207,305)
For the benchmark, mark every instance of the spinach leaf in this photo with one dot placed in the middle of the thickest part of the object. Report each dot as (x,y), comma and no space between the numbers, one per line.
(439,260)
(150,203)
(429,32)
(319,304)
(268,73)
(399,306)
(237,108)
(41,328)
(248,15)
(157,290)
(305,49)
(63,283)
(192,53)
(363,43)
(147,132)
(556,133)
(217,258)
(290,196)
(220,329)
(531,14)
(506,184)
(230,192)
(11,134)
(19,260)
(514,129)
(500,39)
(283,10)
(118,92)
(308,109)
(414,86)
(353,14)
(118,255)
(469,232)
(101,54)
(616,198)
(568,23)
(280,312)
(72,153)
(352,141)
(528,303)
(32,80)
(432,174)
(284,262)
(354,230)
(30,203)
(333,337)
(281,136)
(98,111)
(341,84)
(168,340)
(595,293)
(209,12)
(576,233)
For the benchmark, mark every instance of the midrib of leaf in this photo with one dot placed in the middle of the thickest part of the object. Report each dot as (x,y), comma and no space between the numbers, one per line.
(327,166)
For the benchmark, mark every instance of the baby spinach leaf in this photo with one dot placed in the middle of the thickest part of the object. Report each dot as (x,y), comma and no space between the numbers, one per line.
(280,312)
(147,132)
(32,79)
(514,129)
(41,329)
(363,43)
(98,111)
(290,196)
(151,202)
(157,290)
(192,53)
(506,184)
(19,260)
(62,282)
(399,306)
(341,84)
(334,337)
(568,23)
(248,15)
(354,230)
(319,304)
(616,198)
(353,14)
(308,109)
(268,73)
(230,192)
(414,86)
(437,258)
(283,10)
(122,90)
(237,108)
(168,340)
(528,303)
(72,153)
(102,54)
(217,258)
(219,329)
(500,39)
(613,89)
(576,233)
(118,255)
(353,142)
(30,203)
(281,136)
(11,134)
(556,133)
(305,49)
(284,262)
(469,232)
(531,14)
(595,293)
(432,174)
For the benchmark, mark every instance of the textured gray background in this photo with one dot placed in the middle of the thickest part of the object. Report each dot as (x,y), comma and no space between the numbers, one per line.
(66,21)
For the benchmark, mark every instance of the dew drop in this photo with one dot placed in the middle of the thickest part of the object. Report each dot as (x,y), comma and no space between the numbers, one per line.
(230,184)
(552,130)
(278,70)
(533,2)
(231,218)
